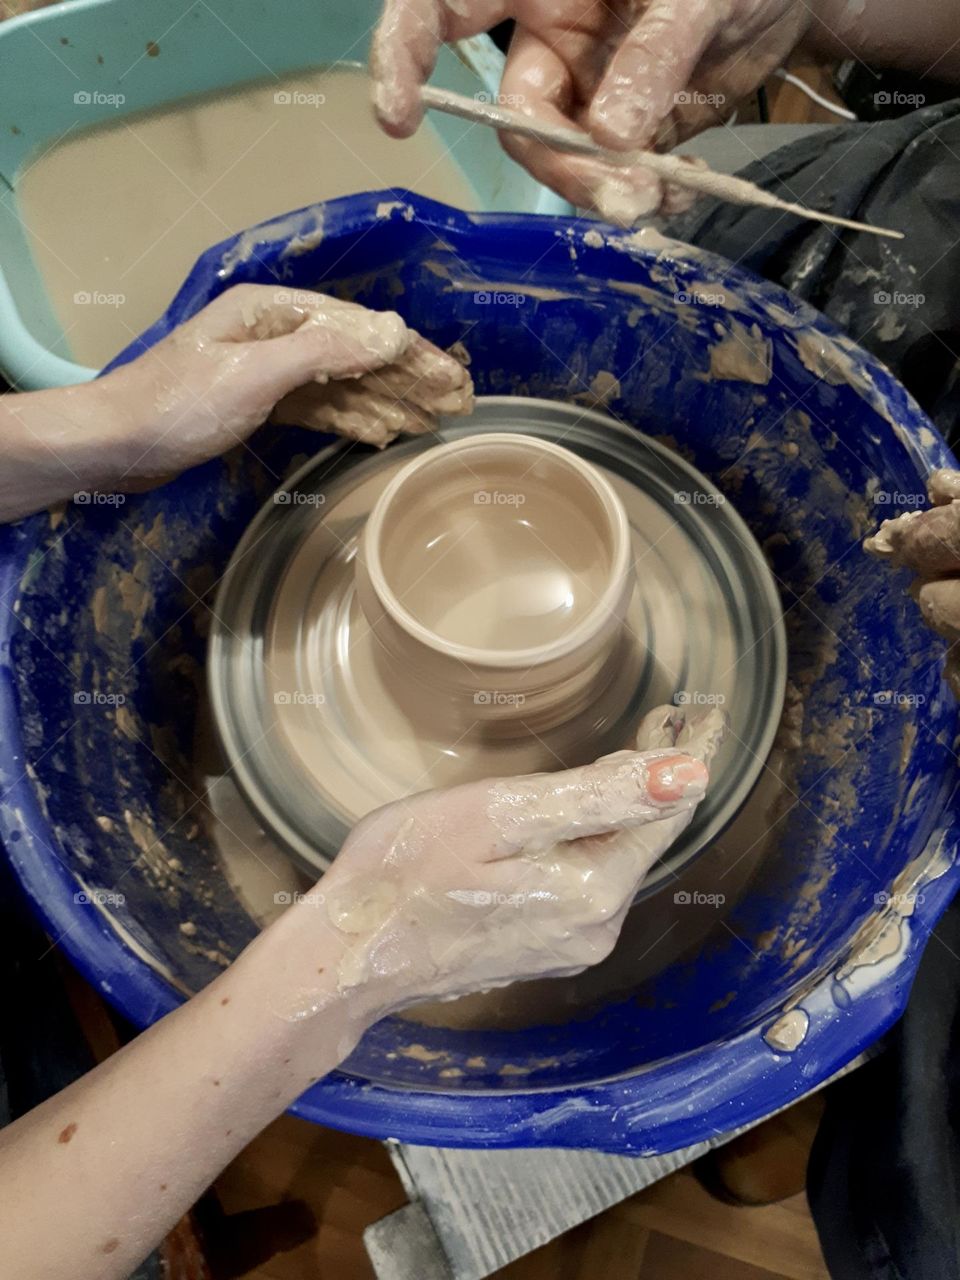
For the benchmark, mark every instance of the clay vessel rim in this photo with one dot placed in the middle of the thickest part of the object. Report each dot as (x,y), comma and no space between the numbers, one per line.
(606,608)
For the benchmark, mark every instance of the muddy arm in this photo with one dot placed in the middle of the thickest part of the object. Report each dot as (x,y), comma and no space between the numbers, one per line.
(432,896)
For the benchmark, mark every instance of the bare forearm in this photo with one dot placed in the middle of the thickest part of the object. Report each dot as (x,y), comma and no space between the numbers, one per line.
(923,38)
(53,444)
(414,906)
(115,1160)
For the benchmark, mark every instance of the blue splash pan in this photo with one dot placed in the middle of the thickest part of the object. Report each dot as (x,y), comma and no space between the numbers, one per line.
(796,425)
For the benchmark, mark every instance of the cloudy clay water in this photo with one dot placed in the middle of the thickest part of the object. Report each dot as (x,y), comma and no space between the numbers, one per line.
(161,186)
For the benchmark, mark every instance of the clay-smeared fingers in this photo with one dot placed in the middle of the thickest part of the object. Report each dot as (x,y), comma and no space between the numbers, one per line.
(533,813)
(234,314)
(928,542)
(652,66)
(389,398)
(939,603)
(291,337)
(697,733)
(352,409)
(943,486)
(404,52)
(426,378)
(325,351)
(248,312)
(539,83)
(405,46)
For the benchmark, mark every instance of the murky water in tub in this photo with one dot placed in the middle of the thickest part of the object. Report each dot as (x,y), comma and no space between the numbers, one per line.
(161,186)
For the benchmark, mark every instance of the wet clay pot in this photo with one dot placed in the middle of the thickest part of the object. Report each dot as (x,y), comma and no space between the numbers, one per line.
(495,572)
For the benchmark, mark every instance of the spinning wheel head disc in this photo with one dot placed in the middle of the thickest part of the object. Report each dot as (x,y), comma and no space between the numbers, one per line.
(317,734)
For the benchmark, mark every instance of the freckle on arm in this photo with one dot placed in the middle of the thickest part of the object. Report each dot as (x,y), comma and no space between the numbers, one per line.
(67,1133)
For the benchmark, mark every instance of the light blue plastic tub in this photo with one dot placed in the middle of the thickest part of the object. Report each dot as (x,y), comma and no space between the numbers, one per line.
(98,48)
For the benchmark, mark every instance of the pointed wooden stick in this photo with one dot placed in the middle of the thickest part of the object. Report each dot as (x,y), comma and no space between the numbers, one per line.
(671,168)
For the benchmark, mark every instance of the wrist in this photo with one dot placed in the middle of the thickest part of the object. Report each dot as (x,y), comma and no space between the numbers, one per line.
(85,427)
(127,418)
(303,966)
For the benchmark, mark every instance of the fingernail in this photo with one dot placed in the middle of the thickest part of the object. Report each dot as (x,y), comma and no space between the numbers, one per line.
(680,778)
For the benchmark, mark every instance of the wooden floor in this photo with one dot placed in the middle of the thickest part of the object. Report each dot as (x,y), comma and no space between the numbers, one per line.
(297,1200)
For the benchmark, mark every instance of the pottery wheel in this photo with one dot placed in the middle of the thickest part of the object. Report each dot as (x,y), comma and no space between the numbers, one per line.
(315,739)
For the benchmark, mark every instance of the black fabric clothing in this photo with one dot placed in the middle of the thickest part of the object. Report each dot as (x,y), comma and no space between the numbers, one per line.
(903,174)
(884,1175)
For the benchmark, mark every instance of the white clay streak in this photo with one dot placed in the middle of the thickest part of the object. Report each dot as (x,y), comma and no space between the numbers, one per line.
(671,168)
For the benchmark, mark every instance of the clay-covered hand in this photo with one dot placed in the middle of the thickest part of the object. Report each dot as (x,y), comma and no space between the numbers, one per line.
(261,351)
(634,75)
(928,543)
(486,883)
